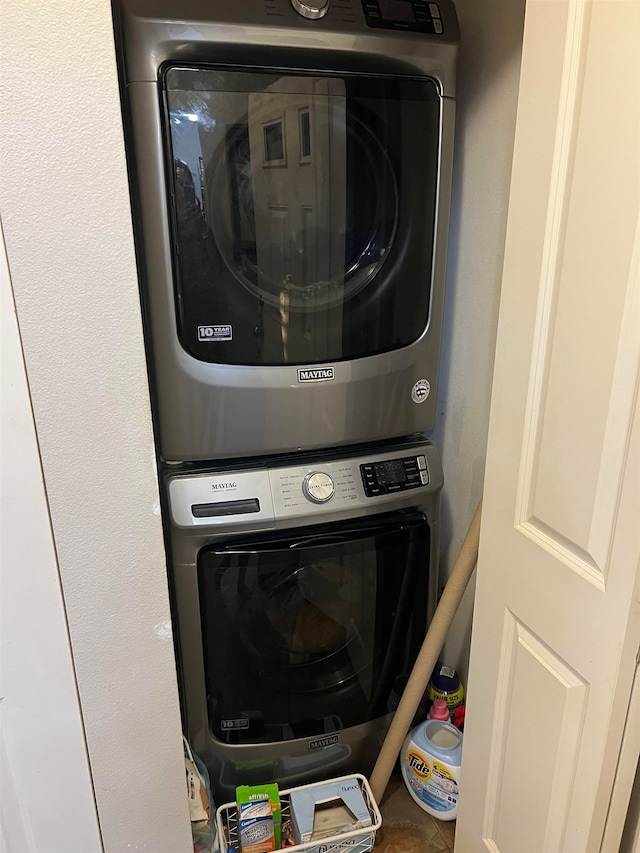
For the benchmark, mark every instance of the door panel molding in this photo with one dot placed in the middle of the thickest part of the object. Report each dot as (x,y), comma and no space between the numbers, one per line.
(602,380)
(533,676)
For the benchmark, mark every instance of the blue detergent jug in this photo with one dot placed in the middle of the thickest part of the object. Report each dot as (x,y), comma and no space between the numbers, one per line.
(430,760)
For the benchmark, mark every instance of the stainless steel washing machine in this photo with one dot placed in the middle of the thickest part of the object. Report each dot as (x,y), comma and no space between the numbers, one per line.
(303,588)
(290,170)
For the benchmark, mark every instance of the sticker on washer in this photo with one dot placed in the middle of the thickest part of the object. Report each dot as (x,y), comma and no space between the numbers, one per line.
(215,333)
(241,723)
(421,391)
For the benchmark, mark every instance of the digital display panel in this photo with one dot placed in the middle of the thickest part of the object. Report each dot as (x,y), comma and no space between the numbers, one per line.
(397,10)
(390,473)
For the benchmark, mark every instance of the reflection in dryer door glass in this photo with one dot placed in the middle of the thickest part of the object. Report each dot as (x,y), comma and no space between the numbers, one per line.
(305,196)
(298,641)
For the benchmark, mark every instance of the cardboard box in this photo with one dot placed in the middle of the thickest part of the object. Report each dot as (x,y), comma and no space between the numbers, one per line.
(251,793)
(255,826)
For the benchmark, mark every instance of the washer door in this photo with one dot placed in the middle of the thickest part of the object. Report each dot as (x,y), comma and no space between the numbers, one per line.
(303,209)
(305,634)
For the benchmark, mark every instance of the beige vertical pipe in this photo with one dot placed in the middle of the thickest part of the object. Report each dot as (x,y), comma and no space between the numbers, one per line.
(427,657)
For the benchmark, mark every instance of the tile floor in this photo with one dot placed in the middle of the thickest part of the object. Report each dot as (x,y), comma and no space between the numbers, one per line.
(406,828)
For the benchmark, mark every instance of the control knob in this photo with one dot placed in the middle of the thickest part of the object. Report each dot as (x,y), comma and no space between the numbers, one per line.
(318,487)
(312,9)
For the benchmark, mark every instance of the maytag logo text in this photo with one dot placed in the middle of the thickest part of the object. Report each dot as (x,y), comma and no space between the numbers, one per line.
(224,487)
(321,742)
(315,374)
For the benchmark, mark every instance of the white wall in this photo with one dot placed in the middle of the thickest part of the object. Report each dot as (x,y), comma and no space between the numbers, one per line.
(488,75)
(66,217)
(42,749)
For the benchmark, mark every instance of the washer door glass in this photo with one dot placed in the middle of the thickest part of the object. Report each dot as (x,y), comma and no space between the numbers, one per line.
(303,213)
(305,635)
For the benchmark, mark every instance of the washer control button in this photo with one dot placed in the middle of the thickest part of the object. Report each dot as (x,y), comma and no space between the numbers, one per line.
(318,487)
(312,9)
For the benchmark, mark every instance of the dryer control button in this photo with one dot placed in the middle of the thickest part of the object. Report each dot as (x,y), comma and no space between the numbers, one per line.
(318,487)
(312,9)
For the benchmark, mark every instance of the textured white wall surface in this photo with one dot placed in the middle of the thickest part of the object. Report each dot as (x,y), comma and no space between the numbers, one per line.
(66,217)
(488,76)
(46,800)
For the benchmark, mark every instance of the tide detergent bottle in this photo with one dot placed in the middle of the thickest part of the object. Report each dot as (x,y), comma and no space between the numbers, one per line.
(430,760)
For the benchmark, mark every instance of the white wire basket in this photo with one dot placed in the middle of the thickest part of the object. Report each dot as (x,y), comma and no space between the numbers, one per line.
(354,841)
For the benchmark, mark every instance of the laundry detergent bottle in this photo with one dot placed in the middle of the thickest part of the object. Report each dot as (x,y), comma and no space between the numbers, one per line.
(445,684)
(430,760)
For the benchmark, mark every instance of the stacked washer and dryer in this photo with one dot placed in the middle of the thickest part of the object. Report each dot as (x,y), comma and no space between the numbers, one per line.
(290,171)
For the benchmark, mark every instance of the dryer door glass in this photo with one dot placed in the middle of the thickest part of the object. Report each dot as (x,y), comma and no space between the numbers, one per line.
(316,627)
(303,213)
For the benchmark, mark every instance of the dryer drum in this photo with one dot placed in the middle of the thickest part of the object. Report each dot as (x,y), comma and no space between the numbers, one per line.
(310,617)
(344,275)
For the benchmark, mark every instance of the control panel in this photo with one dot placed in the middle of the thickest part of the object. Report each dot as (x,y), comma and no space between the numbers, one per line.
(267,496)
(417,16)
(394,475)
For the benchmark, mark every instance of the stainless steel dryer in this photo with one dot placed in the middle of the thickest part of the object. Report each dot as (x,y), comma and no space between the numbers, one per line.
(303,589)
(290,171)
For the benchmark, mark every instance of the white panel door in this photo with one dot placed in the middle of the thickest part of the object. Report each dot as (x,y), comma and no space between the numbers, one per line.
(557,617)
